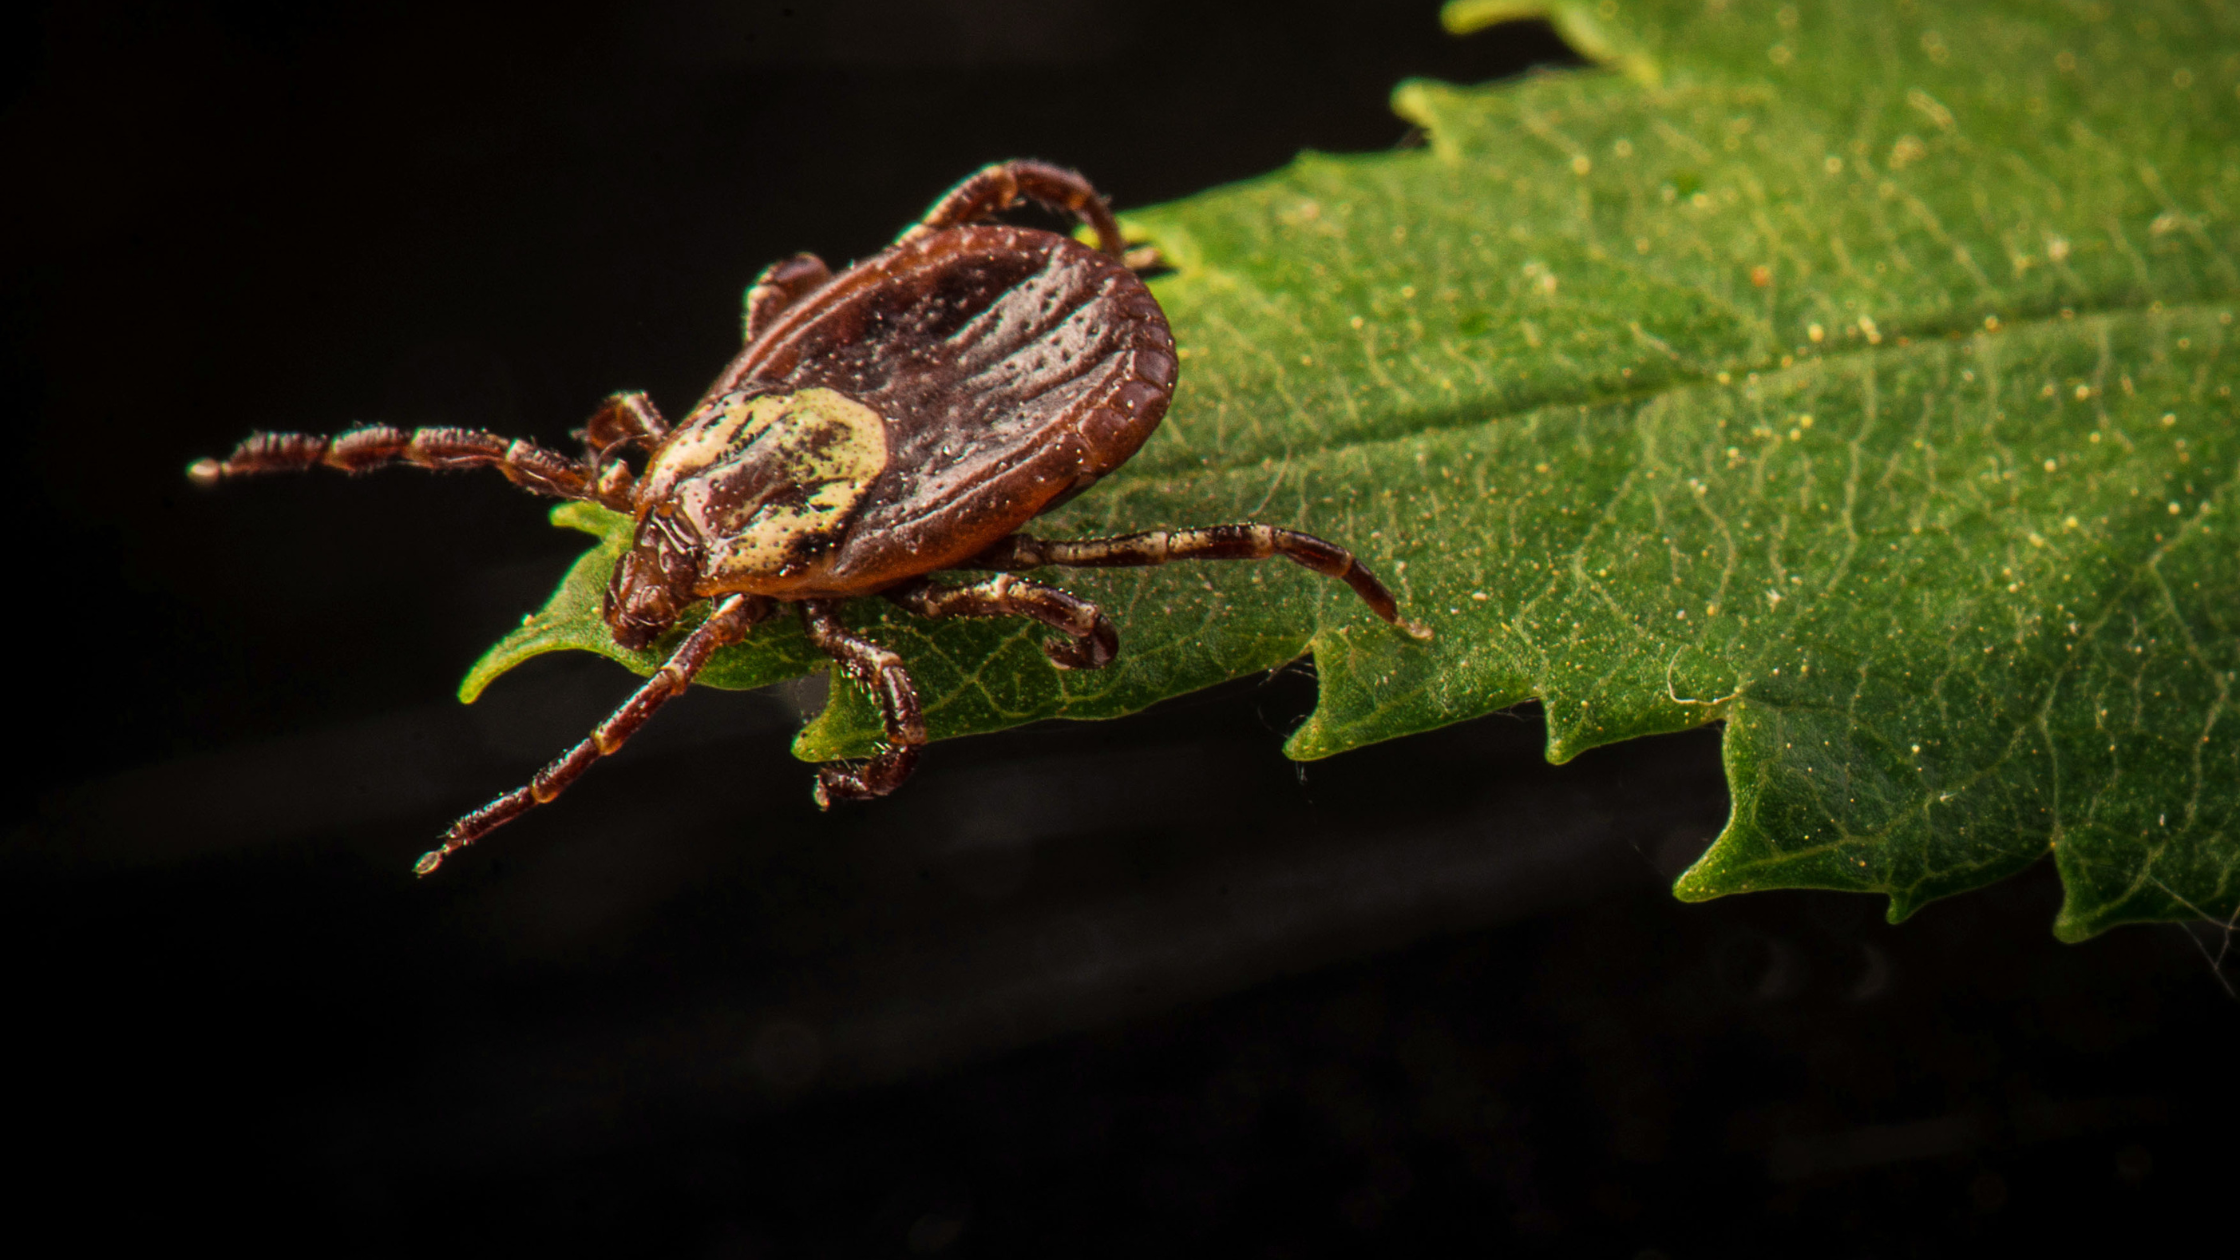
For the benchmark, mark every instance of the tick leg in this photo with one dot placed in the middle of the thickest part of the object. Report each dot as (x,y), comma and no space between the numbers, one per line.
(628,417)
(524,463)
(1146,261)
(623,420)
(728,624)
(1090,641)
(881,674)
(1213,542)
(780,285)
(994,189)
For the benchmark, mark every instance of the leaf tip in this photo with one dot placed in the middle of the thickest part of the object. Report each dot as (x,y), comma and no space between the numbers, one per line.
(1314,740)
(592,519)
(1710,876)
(1576,23)
(1689,887)
(477,680)
(523,643)
(1467,17)
(847,726)
(2086,911)
(1904,904)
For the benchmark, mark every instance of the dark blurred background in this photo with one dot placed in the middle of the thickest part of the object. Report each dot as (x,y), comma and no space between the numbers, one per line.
(1081,990)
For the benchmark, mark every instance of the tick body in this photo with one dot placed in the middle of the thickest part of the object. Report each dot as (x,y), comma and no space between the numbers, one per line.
(902,418)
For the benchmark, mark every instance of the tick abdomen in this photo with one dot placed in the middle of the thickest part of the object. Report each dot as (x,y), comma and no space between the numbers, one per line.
(1009,366)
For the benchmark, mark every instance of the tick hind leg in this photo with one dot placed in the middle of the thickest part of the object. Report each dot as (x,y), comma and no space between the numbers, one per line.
(994,189)
(728,624)
(780,285)
(881,675)
(1213,542)
(1090,642)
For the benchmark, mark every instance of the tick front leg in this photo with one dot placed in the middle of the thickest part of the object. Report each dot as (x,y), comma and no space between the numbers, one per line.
(780,285)
(1213,542)
(523,463)
(881,674)
(994,189)
(623,420)
(1090,641)
(728,624)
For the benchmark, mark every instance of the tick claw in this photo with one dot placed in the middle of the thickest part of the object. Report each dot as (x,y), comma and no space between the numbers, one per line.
(1071,654)
(1145,258)
(428,863)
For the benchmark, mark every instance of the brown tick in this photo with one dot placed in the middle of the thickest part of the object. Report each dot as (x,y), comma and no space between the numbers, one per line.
(901,418)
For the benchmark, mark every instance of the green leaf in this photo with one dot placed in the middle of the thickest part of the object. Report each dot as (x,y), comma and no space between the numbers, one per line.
(1860,376)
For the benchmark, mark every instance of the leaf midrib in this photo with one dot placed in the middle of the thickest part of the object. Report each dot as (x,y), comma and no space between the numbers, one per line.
(1425,422)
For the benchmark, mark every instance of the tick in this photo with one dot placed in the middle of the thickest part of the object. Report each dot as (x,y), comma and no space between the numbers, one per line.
(902,418)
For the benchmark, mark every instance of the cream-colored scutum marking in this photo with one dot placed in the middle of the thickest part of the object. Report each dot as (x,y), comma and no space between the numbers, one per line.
(812,456)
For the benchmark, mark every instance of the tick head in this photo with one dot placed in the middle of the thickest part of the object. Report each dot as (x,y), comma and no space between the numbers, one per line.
(653,582)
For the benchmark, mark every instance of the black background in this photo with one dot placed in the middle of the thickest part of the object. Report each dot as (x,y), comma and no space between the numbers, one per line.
(1078,990)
